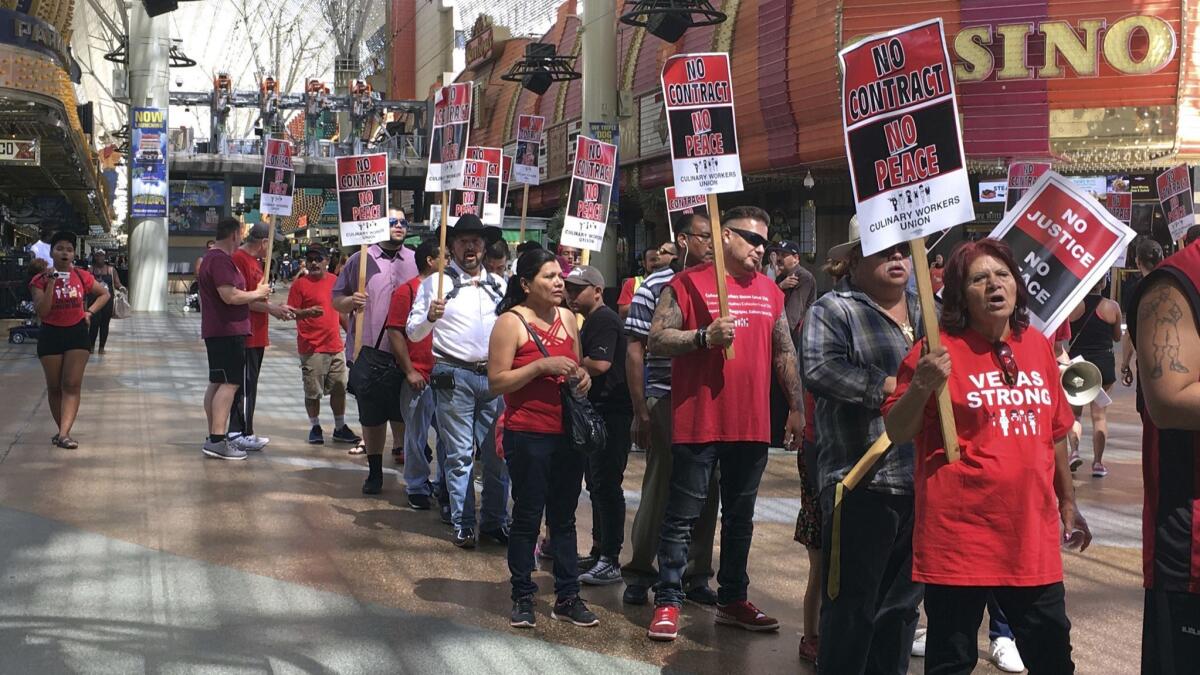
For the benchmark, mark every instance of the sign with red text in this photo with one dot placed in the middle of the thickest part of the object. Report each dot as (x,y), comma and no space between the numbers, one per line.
(1063,241)
(506,175)
(1175,195)
(1120,204)
(902,136)
(678,206)
(279,179)
(591,193)
(698,95)
(448,139)
(362,192)
(529,144)
(1021,177)
(473,197)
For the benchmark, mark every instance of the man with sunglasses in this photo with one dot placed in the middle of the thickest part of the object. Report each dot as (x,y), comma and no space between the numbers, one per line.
(389,266)
(720,413)
(852,343)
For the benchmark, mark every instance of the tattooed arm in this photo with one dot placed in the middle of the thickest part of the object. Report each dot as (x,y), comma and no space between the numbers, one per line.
(1168,353)
(787,372)
(666,337)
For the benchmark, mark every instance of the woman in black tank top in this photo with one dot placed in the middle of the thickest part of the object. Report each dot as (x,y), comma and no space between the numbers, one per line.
(1095,326)
(106,274)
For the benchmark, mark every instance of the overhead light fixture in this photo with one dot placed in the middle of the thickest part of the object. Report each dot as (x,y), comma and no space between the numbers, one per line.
(670,19)
(540,68)
(808,180)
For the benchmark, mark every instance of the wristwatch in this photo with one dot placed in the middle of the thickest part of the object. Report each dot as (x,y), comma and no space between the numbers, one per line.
(701,339)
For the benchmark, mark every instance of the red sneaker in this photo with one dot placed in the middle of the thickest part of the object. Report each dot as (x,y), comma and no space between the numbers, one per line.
(809,648)
(745,615)
(665,625)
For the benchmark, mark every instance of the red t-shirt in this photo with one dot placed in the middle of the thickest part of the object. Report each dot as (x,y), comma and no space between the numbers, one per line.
(537,407)
(321,334)
(69,297)
(991,518)
(1063,334)
(937,278)
(716,400)
(252,270)
(420,352)
(627,291)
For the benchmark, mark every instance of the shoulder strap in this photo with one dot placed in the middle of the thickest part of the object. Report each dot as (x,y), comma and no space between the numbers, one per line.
(532,335)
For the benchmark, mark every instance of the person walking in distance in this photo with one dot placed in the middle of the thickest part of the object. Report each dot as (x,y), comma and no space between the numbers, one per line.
(107,275)
(721,413)
(461,323)
(319,343)
(853,340)
(224,325)
(649,379)
(60,299)
(248,259)
(1164,324)
(389,266)
(415,360)
(603,349)
(534,350)
(1095,326)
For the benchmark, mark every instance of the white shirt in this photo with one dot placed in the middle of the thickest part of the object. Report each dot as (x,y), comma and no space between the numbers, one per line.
(465,328)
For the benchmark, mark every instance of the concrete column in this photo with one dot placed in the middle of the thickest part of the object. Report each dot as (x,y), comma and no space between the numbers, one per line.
(599,68)
(149,49)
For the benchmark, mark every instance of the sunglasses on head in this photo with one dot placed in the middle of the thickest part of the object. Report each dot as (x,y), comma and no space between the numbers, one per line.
(903,249)
(1004,354)
(753,238)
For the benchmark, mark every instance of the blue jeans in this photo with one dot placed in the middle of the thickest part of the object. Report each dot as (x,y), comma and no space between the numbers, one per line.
(466,419)
(418,418)
(546,476)
(997,623)
(741,469)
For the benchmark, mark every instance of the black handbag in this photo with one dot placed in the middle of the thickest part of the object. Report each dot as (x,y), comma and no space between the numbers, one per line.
(374,372)
(584,427)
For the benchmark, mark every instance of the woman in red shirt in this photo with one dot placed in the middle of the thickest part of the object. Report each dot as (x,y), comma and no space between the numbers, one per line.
(60,299)
(990,522)
(546,472)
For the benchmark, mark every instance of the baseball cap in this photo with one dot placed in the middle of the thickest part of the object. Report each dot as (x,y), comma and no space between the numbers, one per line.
(259,232)
(585,275)
(787,248)
(316,251)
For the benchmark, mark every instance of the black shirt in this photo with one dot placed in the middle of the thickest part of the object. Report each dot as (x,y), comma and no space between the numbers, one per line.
(601,339)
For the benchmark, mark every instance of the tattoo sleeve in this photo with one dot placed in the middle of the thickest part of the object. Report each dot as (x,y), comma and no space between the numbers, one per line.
(1162,313)
(787,368)
(666,338)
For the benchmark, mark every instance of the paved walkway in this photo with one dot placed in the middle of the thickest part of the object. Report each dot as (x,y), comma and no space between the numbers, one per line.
(134,553)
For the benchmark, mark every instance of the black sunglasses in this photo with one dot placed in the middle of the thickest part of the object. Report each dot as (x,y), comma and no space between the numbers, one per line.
(1004,354)
(753,238)
(903,249)
(401,221)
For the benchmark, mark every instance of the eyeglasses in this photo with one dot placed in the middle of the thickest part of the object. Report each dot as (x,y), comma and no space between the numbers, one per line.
(1004,354)
(666,251)
(903,249)
(753,238)
(702,236)
(398,221)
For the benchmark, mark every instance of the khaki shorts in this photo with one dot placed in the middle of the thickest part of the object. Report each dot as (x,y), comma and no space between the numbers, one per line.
(324,374)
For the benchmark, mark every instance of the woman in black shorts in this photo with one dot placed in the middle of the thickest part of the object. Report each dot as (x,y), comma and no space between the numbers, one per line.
(1095,326)
(107,275)
(60,298)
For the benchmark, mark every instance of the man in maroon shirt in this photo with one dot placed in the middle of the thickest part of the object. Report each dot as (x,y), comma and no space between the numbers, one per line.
(248,259)
(721,412)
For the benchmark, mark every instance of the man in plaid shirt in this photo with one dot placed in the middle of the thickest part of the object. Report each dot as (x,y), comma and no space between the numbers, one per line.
(853,342)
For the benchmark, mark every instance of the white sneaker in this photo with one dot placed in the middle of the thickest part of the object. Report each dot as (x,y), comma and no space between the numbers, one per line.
(918,648)
(251,443)
(1005,655)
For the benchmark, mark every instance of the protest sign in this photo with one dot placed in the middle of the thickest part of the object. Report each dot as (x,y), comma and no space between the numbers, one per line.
(591,188)
(529,144)
(698,95)
(279,178)
(1021,177)
(475,179)
(493,208)
(1175,195)
(902,136)
(677,206)
(1120,205)
(1063,241)
(149,146)
(506,172)
(448,140)
(362,183)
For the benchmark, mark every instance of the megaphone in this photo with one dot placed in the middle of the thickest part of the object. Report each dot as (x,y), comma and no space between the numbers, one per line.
(1081,380)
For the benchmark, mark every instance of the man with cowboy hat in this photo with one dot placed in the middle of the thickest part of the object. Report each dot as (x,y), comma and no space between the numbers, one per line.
(853,341)
(461,324)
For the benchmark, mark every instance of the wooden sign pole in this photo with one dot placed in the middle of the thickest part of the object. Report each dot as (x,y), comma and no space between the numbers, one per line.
(442,242)
(524,211)
(714,216)
(933,338)
(585,257)
(270,221)
(360,316)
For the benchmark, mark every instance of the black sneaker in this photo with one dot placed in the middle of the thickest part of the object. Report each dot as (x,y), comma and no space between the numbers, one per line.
(316,435)
(346,435)
(587,562)
(418,502)
(522,613)
(606,571)
(636,594)
(498,535)
(572,609)
(447,517)
(398,455)
(373,485)
(702,595)
(464,538)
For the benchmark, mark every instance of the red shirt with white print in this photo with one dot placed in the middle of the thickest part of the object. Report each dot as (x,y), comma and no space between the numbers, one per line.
(991,518)
(70,296)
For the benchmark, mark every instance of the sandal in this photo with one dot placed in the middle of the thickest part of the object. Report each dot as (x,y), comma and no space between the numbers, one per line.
(54,440)
(359,449)
(65,442)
